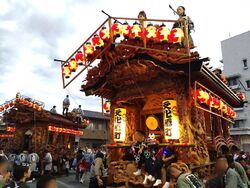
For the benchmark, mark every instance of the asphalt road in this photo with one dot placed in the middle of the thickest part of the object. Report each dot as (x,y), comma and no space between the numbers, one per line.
(66,182)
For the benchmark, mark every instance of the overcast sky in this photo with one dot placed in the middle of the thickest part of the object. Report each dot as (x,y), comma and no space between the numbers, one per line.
(34,32)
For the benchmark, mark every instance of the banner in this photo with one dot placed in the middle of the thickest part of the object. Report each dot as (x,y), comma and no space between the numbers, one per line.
(170,119)
(120,125)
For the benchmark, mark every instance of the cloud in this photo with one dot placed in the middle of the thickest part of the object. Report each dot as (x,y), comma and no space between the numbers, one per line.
(33,33)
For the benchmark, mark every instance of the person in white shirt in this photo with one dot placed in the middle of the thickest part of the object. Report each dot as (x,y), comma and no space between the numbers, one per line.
(23,157)
(47,162)
(53,110)
(33,159)
(2,154)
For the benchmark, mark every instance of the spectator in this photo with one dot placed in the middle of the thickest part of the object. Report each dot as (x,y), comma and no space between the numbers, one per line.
(46,181)
(2,154)
(53,110)
(33,159)
(47,162)
(183,179)
(96,172)
(66,165)
(246,167)
(12,158)
(88,160)
(20,174)
(3,166)
(79,114)
(79,157)
(23,157)
(231,179)
(66,104)
(238,168)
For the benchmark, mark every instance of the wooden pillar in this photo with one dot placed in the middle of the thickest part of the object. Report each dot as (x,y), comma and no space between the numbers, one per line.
(218,126)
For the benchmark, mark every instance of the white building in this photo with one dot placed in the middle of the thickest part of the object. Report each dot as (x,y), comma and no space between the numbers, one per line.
(236,59)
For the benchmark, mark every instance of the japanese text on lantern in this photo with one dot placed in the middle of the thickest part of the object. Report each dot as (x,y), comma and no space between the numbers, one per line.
(120,125)
(170,119)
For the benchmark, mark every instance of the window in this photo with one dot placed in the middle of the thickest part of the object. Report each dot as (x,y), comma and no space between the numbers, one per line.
(237,124)
(100,126)
(245,63)
(233,81)
(90,126)
(248,83)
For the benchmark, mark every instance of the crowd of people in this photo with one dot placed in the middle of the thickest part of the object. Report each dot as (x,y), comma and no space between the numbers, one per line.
(18,169)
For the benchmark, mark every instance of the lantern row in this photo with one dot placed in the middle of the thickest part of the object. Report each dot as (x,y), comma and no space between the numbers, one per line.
(151,32)
(25,102)
(204,97)
(63,130)
(6,136)
(10,129)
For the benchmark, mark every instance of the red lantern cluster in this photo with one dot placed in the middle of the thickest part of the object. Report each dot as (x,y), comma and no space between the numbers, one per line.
(161,34)
(22,101)
(6,136)
(10,129)
(204,97)
(106,106)
(64,130)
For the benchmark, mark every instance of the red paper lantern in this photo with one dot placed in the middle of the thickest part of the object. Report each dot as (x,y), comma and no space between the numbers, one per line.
(162,33)
(30,104)
(73,65)
(39,108)
(126,30)
(215,103)
(88,48)
(176,35)
(66,71)
(97,41)
(106,106)
(116,29)
(6,106)
(136,30)
(104,34)
(12,103)
(79,58)
(26,103)
(242,96)
(150,32)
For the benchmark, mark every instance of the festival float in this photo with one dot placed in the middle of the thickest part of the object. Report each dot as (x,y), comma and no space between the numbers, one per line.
(157,88)
(26,125)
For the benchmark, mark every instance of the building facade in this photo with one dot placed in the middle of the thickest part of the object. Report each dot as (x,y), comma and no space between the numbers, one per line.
(236,60)
(97,132)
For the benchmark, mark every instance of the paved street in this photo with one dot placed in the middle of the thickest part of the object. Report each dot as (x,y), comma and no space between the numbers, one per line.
(66,182)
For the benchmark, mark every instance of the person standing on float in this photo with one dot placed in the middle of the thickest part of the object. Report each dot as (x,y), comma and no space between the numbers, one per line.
(66,104)
(184,19)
